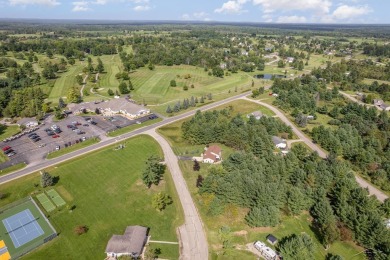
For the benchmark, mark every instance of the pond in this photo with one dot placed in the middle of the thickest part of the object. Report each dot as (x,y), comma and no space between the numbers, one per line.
(268,76)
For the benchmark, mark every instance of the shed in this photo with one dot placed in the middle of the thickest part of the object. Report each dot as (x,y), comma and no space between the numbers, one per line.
(272,239)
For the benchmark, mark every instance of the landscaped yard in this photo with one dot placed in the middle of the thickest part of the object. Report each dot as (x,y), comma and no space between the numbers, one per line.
(108,195)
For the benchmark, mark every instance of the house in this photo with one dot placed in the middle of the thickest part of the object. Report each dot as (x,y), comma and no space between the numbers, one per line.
(271,239)
(28,122)
(131,243)
(265,251)
(381,104)
(290,59)
(212,154)
(256,114)
(121,106)
(279,142)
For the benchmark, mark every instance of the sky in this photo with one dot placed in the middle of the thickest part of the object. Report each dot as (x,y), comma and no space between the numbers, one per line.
(270,11)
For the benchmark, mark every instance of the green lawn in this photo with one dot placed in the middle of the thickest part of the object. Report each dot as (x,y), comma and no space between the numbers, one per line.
(106,189)
(72,148)
(64,82)
(130,128)
(234,215)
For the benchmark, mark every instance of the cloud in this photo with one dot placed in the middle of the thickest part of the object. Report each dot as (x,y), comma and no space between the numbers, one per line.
(232,7)
(80,6)
(269,6)
(34,2)
(291,19)
(346,12)
(196,16)
(140,8)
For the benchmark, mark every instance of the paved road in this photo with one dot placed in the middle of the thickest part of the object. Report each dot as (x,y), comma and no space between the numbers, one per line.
(192,236)
(363,183)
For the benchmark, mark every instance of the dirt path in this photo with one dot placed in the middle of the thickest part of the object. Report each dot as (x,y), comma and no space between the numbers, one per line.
(363,183)
(193,241)
(84,83)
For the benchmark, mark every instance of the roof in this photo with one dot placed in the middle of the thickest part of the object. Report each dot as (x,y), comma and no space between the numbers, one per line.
(117,104)
(271,238)
(277,140)
(26,120)
(131,242)
(256,114)
(212,152)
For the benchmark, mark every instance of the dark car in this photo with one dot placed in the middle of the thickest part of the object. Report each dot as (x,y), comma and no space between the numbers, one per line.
(50,133)
(35,137)
(36,140)
(58,130)
(85,125)
(93,122)
(8,151)
(32,134)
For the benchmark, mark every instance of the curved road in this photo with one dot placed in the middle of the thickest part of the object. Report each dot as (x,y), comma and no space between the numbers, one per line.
(363,183)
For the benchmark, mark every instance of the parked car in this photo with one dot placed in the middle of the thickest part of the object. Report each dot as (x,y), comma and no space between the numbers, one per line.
(85,125)
(58,130)
(93,122)
(57,147)
(11,154)
(55,136)
(6,148)
(42,145)
(36,140)
(138,122)
(8,151)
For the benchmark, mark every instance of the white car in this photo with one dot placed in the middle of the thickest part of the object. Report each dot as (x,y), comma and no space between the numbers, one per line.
(57,147)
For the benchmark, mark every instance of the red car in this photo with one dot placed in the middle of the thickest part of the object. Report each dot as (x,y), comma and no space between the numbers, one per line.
(270,94)
(55,136)
(6,148)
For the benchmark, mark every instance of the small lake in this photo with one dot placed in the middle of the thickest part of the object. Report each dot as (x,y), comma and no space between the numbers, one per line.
(268,76)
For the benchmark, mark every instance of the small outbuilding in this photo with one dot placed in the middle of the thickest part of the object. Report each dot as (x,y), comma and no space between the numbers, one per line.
(131,243)
(272,239)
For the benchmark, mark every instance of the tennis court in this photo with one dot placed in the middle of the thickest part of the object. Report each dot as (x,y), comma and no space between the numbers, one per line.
(45,202)
(22,228)
(55,197)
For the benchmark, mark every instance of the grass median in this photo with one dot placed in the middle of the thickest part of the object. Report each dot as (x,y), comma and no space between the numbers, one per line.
(72,148)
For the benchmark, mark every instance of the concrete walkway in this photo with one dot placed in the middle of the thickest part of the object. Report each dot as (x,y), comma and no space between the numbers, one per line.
(363,183)
(193,241)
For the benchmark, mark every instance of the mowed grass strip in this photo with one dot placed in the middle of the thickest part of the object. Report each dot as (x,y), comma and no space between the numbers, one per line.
(108,195)
(45,202)
(56,198)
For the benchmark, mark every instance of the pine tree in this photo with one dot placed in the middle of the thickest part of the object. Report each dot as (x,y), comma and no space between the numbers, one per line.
(46,180)
(169,110)
(199,181)
(160,200)
(196,166)
(153,171)
(61,103)
(196,100)
(201,99)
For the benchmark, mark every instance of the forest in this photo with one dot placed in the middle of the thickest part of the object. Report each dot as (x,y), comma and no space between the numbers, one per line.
(271,185)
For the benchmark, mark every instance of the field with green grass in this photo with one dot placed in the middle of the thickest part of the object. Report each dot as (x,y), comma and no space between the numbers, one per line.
(108,195)
(12,168)
(233,216)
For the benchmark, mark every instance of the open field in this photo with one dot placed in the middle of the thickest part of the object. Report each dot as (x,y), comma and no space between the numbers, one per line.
(108,195)
(154,86)
(233,216)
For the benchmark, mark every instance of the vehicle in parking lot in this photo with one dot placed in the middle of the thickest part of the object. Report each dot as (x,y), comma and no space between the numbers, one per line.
(83,138)
(11,154)
(36,140)
(42,145)
(50,133)
(85,125)
(58,130)
(55,136)
(8,151)
(93,122)
(32,134)
(57,147)
(6,148)
(138,122)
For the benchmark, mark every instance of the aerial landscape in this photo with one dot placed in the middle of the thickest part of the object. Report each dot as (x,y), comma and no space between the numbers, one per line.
(236,129)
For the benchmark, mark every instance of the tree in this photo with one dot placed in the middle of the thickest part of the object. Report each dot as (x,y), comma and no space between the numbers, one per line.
(296,201)
(217,72)
(196,166)
(281,64)
(58,114)
(169,110)
(330,256)
(100,66)
(80,229)
(46,180)
(263,217)
(173,83)
(153,171)
(185,87)
(301,120)
(160,200)
(297,247)
(151,66)
(61,103)
(131,87)
(45,108)
(73,95)
(110,92)
(123,88)
(199,181)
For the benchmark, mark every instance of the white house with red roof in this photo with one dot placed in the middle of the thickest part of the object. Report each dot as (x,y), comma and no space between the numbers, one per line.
(212,154)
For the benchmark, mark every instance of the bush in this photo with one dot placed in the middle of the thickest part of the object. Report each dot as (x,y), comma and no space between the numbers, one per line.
(81,229)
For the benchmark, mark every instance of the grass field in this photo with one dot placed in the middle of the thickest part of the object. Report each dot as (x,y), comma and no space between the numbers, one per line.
(72,148)
(234,215)
(106,189)
(35,212)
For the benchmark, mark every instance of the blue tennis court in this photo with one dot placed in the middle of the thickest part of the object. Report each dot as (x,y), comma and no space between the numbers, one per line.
(22,228)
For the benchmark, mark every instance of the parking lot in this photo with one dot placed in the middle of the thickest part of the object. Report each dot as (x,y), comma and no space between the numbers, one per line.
(33,147)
